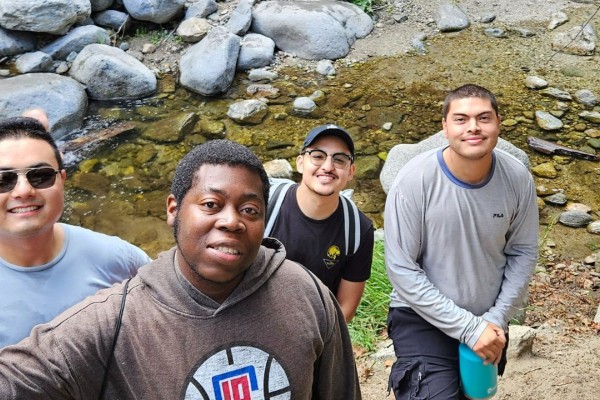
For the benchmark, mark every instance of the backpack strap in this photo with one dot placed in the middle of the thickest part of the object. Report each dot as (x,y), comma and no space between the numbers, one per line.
(351,225)
(277,194)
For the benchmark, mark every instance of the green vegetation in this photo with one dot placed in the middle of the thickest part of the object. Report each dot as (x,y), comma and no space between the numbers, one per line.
(370,319)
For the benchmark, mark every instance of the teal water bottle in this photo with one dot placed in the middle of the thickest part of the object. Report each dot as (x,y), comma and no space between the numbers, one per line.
(479,381)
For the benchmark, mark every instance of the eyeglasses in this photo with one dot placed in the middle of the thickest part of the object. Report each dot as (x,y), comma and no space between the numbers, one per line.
(39,178)
(318,158)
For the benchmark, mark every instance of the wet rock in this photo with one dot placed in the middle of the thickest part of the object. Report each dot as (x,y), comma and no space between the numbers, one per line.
(592,116)
(594,227)
(111,74)
(556,93)
(542,190)
(171,129)
(201,9)
(577,41)
(157,11)
(495,32)
(594,143)
(63,98)
(558,18)
(418,43)
(208,67)
(547,122)
(592,133)
(12,42)
(279,169)
(263,90)
(92,182)
(304,106)
(55,18)
(535,82)
(193,30)
(557,199)
(241,18)
(586,97)
(256,51)
(319,97)
(260,74)
(34,62)
(76,40)
(212,129)
(248,111)
(521,341)
(575,219)
(545,170)
(367,167)
(450,18)
(540,203)
(326,68)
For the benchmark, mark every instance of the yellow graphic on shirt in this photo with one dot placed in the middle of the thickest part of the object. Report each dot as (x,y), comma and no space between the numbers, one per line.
(333,252)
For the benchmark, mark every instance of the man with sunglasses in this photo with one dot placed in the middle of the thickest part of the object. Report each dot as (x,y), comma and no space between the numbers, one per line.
(311,222)
(46,266)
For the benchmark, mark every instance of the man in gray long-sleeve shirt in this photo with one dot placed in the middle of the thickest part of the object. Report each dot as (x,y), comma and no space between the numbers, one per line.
(461,233)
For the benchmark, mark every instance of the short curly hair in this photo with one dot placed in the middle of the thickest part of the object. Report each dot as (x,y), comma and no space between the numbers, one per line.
(216,152)
(25,127)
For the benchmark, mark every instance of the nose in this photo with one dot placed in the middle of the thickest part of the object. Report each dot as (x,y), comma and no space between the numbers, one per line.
(328,164)
(473,125)
(230,220)
(23,187)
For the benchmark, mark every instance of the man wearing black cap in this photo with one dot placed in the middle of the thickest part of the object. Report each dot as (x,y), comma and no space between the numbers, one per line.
(320,229)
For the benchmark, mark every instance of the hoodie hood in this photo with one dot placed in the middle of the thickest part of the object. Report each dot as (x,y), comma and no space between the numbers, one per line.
(166,284)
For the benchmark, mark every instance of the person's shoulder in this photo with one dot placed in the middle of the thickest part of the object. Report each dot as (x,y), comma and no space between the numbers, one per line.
(508,161)
(97,237)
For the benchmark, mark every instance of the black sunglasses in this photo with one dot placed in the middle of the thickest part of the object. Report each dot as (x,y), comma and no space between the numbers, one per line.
(38,178)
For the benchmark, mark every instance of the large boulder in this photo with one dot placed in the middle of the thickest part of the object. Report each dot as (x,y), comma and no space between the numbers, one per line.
(63,99)
(111,74)
(76,40)
(12,42)
(99,5)
(314,30)
(50,16)
(257,51)
(402,153)
(157,11)
(208,67)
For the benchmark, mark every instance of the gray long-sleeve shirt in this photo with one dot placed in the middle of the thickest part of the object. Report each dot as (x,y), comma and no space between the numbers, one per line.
(458,254)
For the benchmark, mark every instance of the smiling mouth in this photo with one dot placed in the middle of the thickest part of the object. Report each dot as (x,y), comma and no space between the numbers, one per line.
(21,210)
(227,250)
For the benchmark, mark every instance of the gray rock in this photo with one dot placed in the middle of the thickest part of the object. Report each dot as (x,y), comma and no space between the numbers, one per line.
(248,111)
(557,199)
(241,18)
(256,51)
(575,219)
(314,30)
(417,42)
(208,67)
(535,82)
(547,121)
(261,74)
(50,16)
(586,97)
(594,227)
(76,40)
(34,62)
(592,116)
(111,74)
(99,5)
(558,18)
(556,93)
(12,42)
(63,99)
(263,90)
(304,105)
(61,67)
(523,32)
(521,341)
(325,67)
(201,9)
(450,18)
(402,153)
(496,32)
(116,20)
(487,17)
(576,41)
(157,11)
(279,169)
(124,46)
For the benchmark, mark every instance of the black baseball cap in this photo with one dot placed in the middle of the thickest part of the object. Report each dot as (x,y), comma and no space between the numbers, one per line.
(329,130)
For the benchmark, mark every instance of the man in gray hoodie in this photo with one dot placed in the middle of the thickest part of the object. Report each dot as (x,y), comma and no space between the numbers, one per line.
(219,316)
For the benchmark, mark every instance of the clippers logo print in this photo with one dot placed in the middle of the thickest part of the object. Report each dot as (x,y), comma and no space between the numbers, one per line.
(238,373)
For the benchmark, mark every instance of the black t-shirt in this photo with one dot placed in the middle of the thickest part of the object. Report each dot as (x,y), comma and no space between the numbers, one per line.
(319,245)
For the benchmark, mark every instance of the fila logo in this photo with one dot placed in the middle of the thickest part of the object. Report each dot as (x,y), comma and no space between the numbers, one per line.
(498,216)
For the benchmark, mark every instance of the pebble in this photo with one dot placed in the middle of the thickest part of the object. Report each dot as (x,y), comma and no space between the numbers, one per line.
(558,199)
(578,207)
(575,219)
(535,82)
(594,227)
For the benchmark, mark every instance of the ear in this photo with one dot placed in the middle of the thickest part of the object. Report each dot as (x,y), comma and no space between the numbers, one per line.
(352,171)
(444,128)
(300,163)
(171,210)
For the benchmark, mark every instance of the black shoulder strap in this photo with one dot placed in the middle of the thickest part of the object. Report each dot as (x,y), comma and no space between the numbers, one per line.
(114,341)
